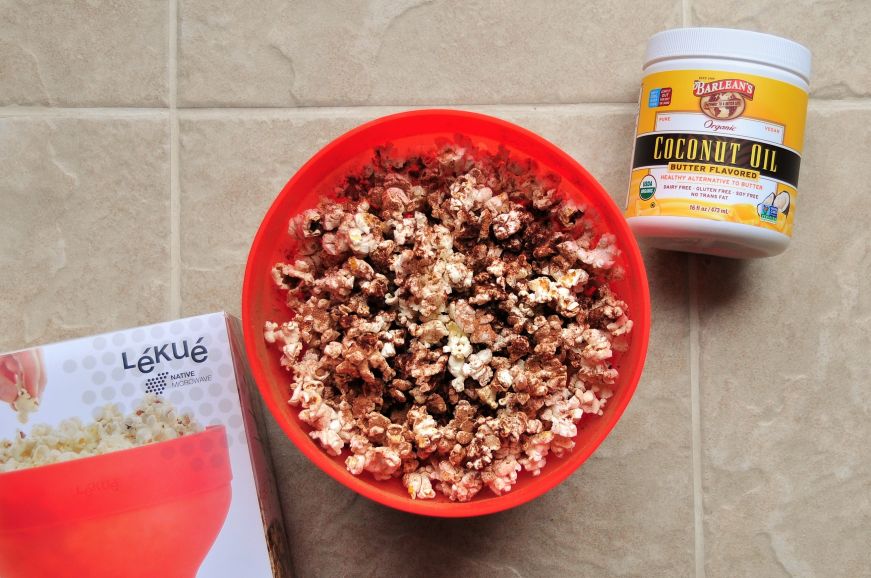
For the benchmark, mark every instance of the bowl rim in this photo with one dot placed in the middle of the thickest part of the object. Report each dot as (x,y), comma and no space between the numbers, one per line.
(368,488)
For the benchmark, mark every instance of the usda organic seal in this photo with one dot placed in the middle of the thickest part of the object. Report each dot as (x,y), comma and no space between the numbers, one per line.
(647,188)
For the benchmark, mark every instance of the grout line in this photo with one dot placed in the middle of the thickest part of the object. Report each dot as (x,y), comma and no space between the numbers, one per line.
(98,112)
(815,104)
(73,112)
(695,392)
(695,400)
(364,111)
(174,194)
(416,105)
(838,105)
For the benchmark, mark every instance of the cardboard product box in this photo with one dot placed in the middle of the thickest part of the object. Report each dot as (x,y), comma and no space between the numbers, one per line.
(184,504)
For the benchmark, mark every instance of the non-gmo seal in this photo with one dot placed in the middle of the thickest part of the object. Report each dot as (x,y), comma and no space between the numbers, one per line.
(647,188)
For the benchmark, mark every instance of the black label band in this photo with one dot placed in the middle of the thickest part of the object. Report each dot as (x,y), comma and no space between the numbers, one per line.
(769,160)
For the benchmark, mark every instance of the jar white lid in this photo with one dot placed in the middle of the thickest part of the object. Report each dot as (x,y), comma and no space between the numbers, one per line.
(729,43)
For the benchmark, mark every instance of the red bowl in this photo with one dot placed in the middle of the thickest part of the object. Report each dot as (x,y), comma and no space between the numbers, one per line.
(149,511)
(418,131)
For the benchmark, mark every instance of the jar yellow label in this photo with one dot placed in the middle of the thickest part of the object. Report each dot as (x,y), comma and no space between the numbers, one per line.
(718,145)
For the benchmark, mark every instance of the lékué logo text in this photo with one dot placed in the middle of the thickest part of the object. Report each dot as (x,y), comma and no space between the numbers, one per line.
(154,355)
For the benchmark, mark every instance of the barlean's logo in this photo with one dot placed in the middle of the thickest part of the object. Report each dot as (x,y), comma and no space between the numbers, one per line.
(724,99)
(154,355)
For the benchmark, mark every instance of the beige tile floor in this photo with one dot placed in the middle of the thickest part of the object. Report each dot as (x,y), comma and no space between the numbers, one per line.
(142,140)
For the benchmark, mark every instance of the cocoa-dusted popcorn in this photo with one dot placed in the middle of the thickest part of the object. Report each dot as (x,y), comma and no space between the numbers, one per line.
(453,320)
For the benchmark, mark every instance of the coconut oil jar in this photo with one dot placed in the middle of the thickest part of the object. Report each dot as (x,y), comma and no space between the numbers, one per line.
(718,142)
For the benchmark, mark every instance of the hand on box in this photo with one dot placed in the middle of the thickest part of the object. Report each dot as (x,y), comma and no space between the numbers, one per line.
(22,377)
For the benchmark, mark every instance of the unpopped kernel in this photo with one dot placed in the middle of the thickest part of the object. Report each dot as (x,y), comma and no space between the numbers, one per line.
(453,323)
(153,420)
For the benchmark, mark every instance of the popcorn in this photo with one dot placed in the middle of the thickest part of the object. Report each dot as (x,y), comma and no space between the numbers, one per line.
(453,321)
(506,224)
(477,366)
(598,345)
(153,420)
(602,256)
(432,331)
(288,334)
(25,405)
(381,462)
(502,475)
(360,237)
(459,348)
(426,431)
(418,485)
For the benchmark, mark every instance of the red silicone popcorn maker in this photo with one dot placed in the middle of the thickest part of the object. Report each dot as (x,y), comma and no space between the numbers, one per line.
(146,512)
